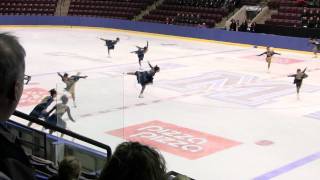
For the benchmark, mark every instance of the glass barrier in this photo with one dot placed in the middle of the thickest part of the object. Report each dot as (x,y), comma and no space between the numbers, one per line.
(90,106)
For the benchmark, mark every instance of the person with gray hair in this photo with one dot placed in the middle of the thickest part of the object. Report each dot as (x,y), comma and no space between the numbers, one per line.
(13,161)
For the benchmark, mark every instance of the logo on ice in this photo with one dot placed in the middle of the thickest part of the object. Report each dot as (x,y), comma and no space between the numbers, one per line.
(174,139)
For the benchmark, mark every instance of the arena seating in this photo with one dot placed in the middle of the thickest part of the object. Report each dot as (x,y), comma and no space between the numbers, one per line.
(28,7)
(189,13)
(120,9)
(294,13)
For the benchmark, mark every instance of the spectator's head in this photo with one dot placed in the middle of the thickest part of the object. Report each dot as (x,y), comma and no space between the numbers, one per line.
(53,93)
(12,67)
(69,168)
(132,160)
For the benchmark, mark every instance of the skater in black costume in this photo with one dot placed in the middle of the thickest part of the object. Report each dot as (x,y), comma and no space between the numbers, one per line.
(298,78)
(269,54)
(140,52)
(316,47)
(145,77)
(110,44)
(40,110)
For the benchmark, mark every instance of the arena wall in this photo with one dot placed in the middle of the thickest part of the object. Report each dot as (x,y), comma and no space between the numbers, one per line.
(255,39)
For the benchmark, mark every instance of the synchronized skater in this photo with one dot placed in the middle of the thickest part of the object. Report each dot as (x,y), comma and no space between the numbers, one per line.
(40,110)
(141,52)
(298,78)
(70,84)
(145,77)
(316,47)
(269,54)
(55,118)
(110,44)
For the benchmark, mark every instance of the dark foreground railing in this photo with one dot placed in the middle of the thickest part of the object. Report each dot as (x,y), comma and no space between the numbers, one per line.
(63,131)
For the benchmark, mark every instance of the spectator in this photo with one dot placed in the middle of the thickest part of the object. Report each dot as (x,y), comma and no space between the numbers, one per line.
(233,25)
(69,169)
(304,22)
(167,20)
(244,26)
(311,13)
(132,160)
(311,22)
(197,19)
(13,161)
(305,12)
(318,22)
(253,27)
(237,25)
(317,13)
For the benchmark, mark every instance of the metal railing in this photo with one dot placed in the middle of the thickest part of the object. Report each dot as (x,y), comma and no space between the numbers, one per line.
(64,131)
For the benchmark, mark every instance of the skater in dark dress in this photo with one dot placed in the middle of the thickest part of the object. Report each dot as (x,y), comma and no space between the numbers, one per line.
(316,48)
(141,52)
(298,78)
(145,77)
(40,110)
(110,44)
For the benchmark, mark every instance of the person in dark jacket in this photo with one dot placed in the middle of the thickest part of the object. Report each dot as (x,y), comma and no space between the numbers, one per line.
(14,162)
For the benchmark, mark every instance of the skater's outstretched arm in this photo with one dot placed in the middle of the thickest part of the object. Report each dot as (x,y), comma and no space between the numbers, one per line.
(139,48)
(147,44)
(69,115)
(150,65)
(79,77)
(83,77)
(103,39)
(131,73)
(304,70)
(276,53)
(262,53)
(60,75)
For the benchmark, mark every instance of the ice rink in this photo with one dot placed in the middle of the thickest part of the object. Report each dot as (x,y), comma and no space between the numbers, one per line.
(214,111)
